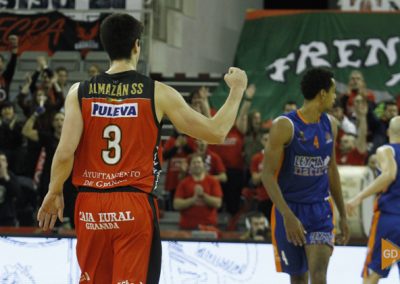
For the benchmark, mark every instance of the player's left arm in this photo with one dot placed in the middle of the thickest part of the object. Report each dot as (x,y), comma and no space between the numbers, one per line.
(336,188)
(70,136)
(388,167)
(53,203)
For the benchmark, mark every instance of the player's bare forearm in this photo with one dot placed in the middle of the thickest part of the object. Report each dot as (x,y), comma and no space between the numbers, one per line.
(378,185)
(336,189)
(225,117)
(60,170)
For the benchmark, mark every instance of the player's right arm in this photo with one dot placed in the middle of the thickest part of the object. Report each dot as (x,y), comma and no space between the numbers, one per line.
(280,134)
(388,168)
(188,121)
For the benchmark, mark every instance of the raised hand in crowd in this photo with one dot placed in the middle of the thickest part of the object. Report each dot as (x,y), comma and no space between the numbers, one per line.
(242,119)
(42,63)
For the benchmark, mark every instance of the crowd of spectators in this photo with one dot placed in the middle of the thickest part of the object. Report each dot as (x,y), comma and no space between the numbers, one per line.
(30,127)
(201,180)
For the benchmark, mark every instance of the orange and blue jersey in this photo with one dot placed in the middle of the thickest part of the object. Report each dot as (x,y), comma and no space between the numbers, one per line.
(304,182)
(303,176)
(389,200)
(386,222)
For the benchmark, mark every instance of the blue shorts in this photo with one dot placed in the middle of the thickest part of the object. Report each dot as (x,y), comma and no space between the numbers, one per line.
(317,220)
(384,226)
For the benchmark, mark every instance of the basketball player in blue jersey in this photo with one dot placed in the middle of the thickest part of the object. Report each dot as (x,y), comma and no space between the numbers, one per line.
(386,221)
(301,177)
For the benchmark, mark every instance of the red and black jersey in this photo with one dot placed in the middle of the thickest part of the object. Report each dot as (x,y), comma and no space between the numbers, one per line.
(120,139)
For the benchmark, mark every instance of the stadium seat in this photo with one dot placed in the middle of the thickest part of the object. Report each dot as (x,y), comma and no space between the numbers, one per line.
(27,60)
(71,60)
(97,57)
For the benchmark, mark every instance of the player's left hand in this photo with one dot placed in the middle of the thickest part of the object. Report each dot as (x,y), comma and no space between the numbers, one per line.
(52,206)
(344,236)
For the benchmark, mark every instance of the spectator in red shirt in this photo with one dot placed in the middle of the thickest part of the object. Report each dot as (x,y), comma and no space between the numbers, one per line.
(353,150)
(264,202)
(176,151)
(231,153)
(356,86)
(198,197)
(213,162)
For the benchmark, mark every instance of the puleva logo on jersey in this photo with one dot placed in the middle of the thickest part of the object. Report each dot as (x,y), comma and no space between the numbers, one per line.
(114,110)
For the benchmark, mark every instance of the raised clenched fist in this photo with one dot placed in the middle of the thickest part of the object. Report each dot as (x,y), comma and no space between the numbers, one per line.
(236,78)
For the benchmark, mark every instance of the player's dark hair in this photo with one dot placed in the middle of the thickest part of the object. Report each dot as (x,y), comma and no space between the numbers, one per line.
(315,80)
(118,34)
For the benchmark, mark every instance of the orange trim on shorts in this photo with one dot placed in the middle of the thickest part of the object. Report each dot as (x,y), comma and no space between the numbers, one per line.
(371,242)
(274,244)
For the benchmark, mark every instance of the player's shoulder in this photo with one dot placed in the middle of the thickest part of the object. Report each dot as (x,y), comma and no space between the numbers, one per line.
(282,128)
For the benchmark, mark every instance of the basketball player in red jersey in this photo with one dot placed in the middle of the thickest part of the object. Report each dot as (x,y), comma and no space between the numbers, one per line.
(110,139)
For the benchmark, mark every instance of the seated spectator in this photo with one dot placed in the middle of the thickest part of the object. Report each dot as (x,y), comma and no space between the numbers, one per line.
(379,126)
(289,106)
(7,75)
(62,80)
(353,150)
(198,197)
(252,140)
(356,86)
(256,226)
(231,153)
(49,140)
(93,70)
(9,191)
(176,151)
(10,135)
(264,202)
(40,106)
(213,162)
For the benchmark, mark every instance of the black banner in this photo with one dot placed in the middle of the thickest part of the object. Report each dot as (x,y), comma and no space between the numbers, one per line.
(50,32)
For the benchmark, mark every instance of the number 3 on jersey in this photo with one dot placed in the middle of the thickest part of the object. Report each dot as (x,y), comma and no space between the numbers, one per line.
(112,155)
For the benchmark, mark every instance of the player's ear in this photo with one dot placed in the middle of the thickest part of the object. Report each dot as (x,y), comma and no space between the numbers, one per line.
(136,46)
(323,94)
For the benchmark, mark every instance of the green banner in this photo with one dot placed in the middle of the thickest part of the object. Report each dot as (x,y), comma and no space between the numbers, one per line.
(275,48)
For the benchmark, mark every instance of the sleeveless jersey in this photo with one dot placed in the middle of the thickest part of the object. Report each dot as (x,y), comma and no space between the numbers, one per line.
(119,143)
(303,176)
(389,200)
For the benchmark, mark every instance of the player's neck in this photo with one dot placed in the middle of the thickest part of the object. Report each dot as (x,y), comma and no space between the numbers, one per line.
(123,65)
(310,112)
